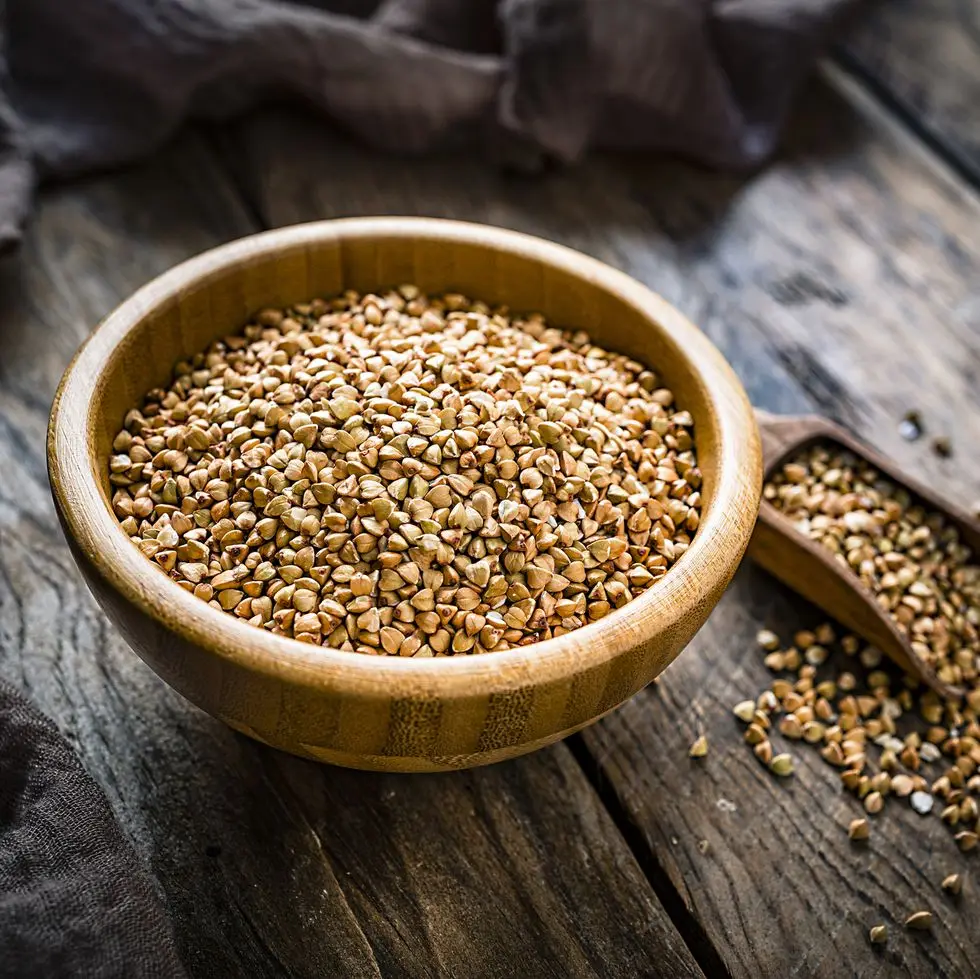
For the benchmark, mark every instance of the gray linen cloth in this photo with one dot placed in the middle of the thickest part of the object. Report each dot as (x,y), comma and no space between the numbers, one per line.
(86,84)
(75,900)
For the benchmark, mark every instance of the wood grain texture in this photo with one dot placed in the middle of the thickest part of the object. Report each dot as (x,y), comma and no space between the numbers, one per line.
(810,570)
(842,280)
(271,866)
(922,56)
(379,712)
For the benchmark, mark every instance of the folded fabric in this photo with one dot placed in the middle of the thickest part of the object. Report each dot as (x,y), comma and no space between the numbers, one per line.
(74,900)
(104,82)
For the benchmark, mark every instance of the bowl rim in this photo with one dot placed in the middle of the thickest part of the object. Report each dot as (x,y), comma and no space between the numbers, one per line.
(715,553)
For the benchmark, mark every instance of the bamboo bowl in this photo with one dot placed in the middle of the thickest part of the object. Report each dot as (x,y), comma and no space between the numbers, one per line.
(387,713)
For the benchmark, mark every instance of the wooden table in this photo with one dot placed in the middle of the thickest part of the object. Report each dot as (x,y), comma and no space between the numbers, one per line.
(844,278)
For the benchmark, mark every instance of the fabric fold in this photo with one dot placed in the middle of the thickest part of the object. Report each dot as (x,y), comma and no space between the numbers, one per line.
(102,83)
(74,899)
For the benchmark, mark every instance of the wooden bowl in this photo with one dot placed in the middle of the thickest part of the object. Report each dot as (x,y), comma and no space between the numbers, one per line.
(374,712)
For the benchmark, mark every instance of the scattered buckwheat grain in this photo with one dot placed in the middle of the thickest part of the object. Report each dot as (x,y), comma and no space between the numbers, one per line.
(911,427)
(953,884)
(700,747)
(782,765)
(888,737)
(860,829)
(920,921)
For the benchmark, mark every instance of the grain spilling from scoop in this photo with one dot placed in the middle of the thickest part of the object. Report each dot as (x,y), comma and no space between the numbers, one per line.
(911,559)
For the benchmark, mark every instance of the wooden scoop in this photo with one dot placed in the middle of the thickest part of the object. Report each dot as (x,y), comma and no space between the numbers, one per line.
(810,569)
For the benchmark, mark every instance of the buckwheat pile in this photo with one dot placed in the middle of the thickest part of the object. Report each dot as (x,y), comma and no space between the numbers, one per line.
(403,475)
(893,741)
(927,579)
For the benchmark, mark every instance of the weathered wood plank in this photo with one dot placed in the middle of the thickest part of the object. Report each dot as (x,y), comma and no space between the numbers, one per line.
(270,865)
(841,279)
(922,56)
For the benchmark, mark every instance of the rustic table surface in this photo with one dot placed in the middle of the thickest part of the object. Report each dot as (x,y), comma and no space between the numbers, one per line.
(844,278)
